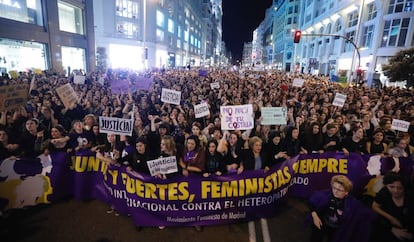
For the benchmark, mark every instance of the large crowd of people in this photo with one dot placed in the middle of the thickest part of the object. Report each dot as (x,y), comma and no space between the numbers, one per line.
(363,125)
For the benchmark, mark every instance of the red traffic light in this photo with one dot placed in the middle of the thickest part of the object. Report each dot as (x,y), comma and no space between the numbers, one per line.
(296,37)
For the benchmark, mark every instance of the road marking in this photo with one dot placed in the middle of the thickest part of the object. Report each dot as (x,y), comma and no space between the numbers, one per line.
(252,232)
(265,230)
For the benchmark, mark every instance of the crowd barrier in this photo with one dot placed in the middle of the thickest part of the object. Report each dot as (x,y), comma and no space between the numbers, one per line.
(180,201)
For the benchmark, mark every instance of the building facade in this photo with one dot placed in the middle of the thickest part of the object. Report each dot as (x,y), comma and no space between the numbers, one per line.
(139,34)
(331,30)
(378,28)
(63,35)
(53,35)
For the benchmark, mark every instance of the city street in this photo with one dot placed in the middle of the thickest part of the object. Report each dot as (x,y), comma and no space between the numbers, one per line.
(88,221)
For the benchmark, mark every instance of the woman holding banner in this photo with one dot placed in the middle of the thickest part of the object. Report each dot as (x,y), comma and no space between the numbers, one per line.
(214,160)
(337,216)
(137,160)
(194,157)
(230,146)
(254,158)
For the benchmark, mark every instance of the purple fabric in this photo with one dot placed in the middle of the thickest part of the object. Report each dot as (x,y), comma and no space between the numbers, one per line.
(356,220)
(195,200)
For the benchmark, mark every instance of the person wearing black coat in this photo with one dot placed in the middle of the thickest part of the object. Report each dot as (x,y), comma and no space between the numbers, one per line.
(254,158)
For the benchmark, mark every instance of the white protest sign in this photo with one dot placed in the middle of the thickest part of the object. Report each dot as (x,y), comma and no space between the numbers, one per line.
(237,117)
(67,95)
(297,82)
(170,96)
(119,126)
(78,79)
(400,125)
(215,85)
(339,100)
(201,110)
(273,115)
(163,165)
(101,80)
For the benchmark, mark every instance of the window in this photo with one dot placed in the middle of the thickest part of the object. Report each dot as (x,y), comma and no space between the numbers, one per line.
(171,26)
(395,32)
(160,19)
(372,11)
(178,43)
(160,35)
(338,26)
(352,19)
(126,9)
(70,18)
(329,28)
(348,45)
(307,18)
(367,36)
(397,6)
(23,11)
(186,34)
(127,28)
(179,31)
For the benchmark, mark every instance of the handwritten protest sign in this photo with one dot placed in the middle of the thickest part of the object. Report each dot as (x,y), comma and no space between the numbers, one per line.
(67,95)
(297,82)
(119,126)
(237,117)
(400,125)
(78,79)
(201,110)
(339,100)
(13,96)
(273,115)
(215,85)
(170,96)
(163,165)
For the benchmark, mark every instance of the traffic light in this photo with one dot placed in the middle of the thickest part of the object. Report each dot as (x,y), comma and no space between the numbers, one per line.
(359,71)
(296,37)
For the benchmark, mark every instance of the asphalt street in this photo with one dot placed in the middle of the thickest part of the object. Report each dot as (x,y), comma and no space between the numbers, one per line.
(80,221)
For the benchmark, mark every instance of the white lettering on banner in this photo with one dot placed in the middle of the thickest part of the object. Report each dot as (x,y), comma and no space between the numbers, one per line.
(237,117)
(400,125)
(201,110)
(163,165)
(115,125)
(170,96)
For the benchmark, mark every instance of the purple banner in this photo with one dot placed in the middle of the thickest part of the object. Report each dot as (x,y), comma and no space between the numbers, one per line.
(179,201)
(120,86)
(203,73)
(141,83)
